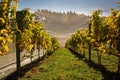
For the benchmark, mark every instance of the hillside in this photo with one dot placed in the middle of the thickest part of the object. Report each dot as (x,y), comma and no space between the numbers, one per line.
(61,22)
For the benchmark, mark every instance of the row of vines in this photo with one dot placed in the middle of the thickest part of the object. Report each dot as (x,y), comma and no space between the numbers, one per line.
(102,35)
(20,28)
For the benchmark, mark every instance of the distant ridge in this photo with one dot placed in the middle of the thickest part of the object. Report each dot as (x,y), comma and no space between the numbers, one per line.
(62,22)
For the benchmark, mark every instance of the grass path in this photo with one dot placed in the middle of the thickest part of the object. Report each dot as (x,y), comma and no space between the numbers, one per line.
(62,65)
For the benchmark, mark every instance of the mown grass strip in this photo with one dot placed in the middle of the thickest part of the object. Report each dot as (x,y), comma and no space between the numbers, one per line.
(63,65)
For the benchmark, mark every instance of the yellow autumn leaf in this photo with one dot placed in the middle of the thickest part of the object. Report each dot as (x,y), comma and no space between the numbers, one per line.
(3,31)
(0,53)
(9,40)
(6,48)
(92,40)
(104,51)
(30,47)
(1,38)
(2,21)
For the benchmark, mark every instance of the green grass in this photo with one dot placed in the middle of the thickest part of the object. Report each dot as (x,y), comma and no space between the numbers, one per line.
(108,61)
(63,65)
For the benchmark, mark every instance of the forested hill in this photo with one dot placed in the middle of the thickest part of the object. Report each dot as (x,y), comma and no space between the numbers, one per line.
(61,22)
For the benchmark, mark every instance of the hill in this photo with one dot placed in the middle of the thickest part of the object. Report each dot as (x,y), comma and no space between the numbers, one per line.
(61,22)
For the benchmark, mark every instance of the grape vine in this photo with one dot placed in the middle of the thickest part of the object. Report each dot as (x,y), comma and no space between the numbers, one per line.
(101,35)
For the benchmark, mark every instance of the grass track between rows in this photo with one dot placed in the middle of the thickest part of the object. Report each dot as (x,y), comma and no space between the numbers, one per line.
(64,64)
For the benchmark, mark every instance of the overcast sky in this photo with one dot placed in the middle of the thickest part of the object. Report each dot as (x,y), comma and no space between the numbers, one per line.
(79,6)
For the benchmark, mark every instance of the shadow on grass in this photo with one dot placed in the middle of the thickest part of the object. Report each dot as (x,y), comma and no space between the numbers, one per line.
(107,75)
(24,69)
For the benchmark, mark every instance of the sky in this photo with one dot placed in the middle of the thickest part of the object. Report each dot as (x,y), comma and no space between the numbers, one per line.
(78,6)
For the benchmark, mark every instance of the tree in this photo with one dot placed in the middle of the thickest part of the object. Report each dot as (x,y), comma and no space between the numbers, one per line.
(95,24)
(89,49)
(38,35)
(114,34)
(118,43)
(24,21)
(55,43)
(5,19)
